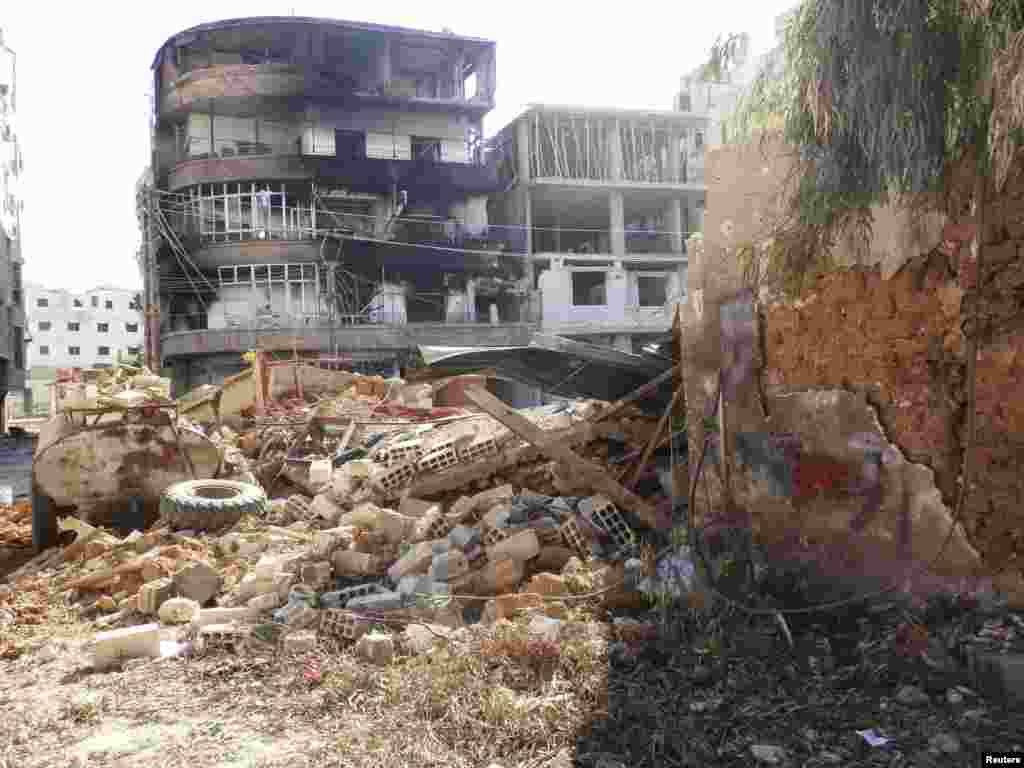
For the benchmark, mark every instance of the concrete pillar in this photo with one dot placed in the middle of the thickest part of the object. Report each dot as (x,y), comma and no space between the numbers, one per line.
(523,150)
(675,159)
(471,301)
(615,152)
(617,223)
(384,63)
(674,217)
(381,213)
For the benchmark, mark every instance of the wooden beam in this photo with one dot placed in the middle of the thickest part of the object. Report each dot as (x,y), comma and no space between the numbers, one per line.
(596,476)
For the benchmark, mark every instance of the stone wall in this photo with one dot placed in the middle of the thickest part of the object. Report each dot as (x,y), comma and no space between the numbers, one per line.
(846,431)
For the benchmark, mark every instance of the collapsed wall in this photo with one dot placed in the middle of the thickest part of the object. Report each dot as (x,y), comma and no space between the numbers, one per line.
(846,408)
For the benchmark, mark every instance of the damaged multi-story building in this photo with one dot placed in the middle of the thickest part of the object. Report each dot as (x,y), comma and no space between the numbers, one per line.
(605,200)
(12,308)
(321,186)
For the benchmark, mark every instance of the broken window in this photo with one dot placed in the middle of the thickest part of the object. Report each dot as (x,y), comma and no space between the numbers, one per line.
(42,302)
(102,327)
(651,291)
(109,304)
(77,303)
(95,301)
(589,289)
(103,351)
(74,351)
(131,327)
(350,145)
(44,349)
(45,325)
(426,149)
(75,327)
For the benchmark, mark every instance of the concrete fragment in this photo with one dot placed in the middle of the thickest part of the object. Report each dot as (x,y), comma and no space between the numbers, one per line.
(420,638)
(381,601)
(326,542)
(198,581)
(519,546)
(416,560)
(106,603)
(463,537)
(449,565)
(485,500)
(326,507)
(242,545)
(506,606)
(553,559)
(376,647)
(998,675)
(283,583)
(350,562)
(396,527)
(412,507)
(210,616)
(178,610)
(497,516)
(316,575)
(131,642)
(302,641)
(545,628)
(547,584)
(320,472)
(264,603)
(300,615)
(252,585)
(154,594)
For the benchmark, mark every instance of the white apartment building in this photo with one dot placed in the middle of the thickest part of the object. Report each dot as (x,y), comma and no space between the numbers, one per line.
(87,330)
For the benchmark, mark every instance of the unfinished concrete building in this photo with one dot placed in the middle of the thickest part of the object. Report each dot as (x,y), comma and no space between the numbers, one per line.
(604,200)
(12,307)
(320,186)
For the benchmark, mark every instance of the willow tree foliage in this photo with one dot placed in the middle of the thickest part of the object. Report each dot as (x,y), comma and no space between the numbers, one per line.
(878,97)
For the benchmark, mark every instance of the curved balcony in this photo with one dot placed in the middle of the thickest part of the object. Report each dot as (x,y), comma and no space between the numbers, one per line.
(256,252)
(215,170)
(235,84)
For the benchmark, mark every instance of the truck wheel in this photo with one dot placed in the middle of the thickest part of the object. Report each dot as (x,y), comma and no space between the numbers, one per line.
(207,505)
(44,520)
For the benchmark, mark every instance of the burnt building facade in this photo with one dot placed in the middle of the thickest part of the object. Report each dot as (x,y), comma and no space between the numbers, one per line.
(321,187)
(12,301)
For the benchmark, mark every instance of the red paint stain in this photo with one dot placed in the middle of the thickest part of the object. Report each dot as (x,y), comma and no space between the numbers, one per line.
(813,476)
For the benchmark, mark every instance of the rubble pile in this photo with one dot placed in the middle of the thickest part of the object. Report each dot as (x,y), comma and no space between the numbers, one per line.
(347,544)
(16,524)
(116,388)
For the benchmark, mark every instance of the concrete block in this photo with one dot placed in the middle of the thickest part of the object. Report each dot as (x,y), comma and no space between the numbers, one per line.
(265,603)
(382,601)
(343,625)
(449,565)
(396,527)
(420,638)
(320,472)
(178,610)
(271,565)
(376,648)
(463,510)
(352,563)
(412,507)
(128,643)
(519,546)
(303,641)
(210,616)
(198,581)
(340,598)
(154,594)
(222,637)
(298,616)
(317,575)
(497,577)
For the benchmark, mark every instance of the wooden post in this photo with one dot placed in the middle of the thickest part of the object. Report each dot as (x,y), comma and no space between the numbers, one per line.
(594,475)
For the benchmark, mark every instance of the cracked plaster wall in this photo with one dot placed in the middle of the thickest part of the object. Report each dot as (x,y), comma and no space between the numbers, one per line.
(871,353)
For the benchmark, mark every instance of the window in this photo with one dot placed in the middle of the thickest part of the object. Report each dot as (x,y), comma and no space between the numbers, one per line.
(102,327)
(44,349)
(42,302)
(45,325)
(134,350)
(103,351)
(427,150)
(698,140)
(74,351)
(588,289)
(651,291)
(131,327)
(109,304)
(78,303)
(95,301)
(74,327)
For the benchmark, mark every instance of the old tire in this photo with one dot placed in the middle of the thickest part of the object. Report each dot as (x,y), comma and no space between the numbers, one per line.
(207,505)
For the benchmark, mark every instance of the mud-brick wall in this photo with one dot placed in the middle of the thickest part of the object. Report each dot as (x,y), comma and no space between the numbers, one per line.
(893,337)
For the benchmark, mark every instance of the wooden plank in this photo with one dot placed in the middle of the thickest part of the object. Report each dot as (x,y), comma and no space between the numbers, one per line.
(595,475)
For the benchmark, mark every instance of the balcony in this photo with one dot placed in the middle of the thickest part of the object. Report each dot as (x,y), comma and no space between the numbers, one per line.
(233,84)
